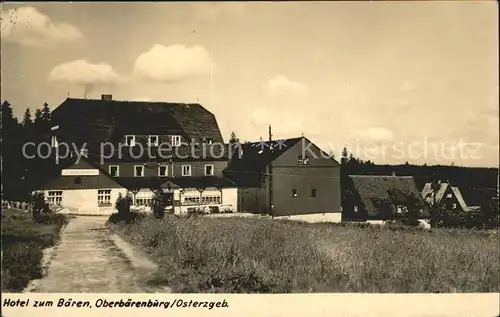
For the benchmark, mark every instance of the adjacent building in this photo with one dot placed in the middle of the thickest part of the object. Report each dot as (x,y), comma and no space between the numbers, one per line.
(381,198)
(447,195)
(286,178)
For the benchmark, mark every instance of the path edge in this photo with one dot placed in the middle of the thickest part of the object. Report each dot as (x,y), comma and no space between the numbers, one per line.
(138,259)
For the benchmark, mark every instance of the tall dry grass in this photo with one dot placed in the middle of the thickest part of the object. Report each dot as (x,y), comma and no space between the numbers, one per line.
(23,241)
(261,255)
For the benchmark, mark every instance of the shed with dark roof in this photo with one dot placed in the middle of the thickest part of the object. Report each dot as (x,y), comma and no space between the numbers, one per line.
(371,197)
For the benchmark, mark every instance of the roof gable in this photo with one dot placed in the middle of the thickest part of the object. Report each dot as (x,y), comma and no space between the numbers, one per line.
(305,147)
(52,170)
(459,197)
(256,156)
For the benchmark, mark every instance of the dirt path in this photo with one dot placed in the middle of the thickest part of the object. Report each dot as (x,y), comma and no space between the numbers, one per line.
(90,259)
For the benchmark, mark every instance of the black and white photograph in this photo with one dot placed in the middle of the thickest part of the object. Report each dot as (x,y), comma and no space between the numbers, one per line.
(212,148)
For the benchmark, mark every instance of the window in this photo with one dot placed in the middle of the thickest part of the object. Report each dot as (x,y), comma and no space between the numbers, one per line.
(208,140)
(454,206)
(303,160)
(294,192)
(356,209)
(138,170)
(114,170)
(176,140)
(77,180)
(209,170)
(130,140)
(104,197)
(53,141)
(205,200)
(449,195)
(313,192)
(143,201)
(153,140)
(162,170)
(211,200)
(192,200)
(401,209)
(55,197)
(186,170)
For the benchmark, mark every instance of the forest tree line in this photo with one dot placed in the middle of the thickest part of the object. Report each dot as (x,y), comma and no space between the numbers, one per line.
(21,175)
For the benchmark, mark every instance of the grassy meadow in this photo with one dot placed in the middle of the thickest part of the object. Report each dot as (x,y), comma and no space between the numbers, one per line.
(23,241)
(252,255)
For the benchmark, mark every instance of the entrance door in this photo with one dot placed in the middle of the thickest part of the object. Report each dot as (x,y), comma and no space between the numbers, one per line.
(168,199)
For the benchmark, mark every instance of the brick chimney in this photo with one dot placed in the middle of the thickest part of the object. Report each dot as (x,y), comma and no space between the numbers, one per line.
(107,97)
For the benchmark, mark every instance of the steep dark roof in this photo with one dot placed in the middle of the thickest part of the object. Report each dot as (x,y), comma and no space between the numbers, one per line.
(48,169)
(201,182)
(399,190)
(212,152)
(255,157)
(249,160)
(95,120)
(132,183)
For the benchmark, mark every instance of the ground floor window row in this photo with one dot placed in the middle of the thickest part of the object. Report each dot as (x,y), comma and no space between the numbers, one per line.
(203,200)
(55,197)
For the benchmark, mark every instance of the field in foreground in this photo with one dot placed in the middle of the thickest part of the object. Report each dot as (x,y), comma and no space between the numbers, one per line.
(23,241)
(241,255)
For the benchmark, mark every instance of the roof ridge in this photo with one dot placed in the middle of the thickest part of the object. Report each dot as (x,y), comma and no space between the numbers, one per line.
(276,140)
(390,176)
(173,103)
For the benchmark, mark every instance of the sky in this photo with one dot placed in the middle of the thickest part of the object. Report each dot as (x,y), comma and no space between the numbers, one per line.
(392,81)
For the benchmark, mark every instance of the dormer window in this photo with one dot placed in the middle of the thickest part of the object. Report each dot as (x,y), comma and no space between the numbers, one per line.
(114,170)
(130,140)
(139,171)
(208,140)
(303,160)
(162,171)
(176,140)
(209,170)
(153,140)
(53,141)
(186,170)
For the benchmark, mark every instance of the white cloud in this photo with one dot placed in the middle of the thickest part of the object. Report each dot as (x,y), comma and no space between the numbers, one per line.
(279,85)
(173,63)
(372,135)
(83,72)
(28,26)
